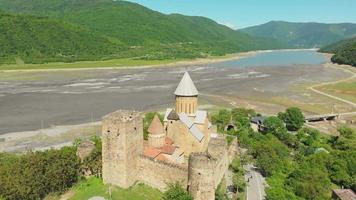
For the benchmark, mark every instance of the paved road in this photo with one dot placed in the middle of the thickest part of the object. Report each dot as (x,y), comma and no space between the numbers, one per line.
(255,184)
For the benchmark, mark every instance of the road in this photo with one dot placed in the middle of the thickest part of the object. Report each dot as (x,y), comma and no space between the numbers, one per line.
(255,184)
(353,75)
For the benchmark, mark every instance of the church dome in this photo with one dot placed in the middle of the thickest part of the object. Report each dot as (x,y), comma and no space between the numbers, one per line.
(186,87)
(156,127)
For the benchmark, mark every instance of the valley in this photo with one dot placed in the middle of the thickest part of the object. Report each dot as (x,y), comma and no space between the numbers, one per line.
(37,100)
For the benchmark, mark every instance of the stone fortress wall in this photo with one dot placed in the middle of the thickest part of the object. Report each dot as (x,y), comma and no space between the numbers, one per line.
(124,163)
(157,173)
(122,144)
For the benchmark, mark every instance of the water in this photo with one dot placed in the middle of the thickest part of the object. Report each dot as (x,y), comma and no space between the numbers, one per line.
(277,58)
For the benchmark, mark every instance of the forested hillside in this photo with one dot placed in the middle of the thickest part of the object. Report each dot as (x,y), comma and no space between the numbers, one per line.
(39,39)
(145,33)
(303,35)
(345,51)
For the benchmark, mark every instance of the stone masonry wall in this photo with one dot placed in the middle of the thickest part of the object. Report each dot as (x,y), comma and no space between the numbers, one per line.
(122,144)
(157,174)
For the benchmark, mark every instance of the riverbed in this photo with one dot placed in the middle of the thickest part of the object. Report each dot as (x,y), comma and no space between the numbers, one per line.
(41,99)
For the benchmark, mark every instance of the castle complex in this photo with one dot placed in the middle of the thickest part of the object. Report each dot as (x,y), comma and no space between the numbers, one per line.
(184,148)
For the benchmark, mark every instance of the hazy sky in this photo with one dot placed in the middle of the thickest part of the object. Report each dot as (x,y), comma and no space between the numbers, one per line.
(243,13)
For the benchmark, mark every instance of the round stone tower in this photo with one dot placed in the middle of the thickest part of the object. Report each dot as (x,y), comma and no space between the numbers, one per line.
(186,96)
(201,182)
(157,135)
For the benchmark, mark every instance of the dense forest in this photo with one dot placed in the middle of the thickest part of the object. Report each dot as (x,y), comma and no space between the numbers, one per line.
(303,35)
(32,39)
(345,52)
(118,29)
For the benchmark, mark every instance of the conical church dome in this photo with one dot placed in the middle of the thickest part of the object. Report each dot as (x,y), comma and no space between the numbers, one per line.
(156,127)
(186,87)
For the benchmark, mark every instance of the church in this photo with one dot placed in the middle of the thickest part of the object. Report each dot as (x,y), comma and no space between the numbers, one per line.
(185,130)
(184,148)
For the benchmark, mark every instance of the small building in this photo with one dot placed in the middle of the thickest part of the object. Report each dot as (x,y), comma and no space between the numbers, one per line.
(344,194)
(257,123)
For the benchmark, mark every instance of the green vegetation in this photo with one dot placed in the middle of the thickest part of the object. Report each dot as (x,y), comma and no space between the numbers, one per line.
(345,52)
(346,90)
(305,165)
(95,187)
(177,192)
(303,35)
(293,117)
(116,63)
(32,39)
(37,174)
(238,178)
(118,29)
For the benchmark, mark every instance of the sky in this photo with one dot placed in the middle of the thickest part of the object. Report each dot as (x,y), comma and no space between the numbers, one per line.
(243,13)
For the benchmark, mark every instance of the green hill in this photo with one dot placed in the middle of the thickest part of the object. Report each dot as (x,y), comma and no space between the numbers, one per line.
(39,39)
(303,35)
(147,34)
(345,51)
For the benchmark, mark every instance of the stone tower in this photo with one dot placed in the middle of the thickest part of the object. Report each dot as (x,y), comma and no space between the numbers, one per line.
(186,96)
(201,183)
(157,135)
(122,140)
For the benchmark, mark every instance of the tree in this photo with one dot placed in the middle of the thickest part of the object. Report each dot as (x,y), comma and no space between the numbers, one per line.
(36,174)
(176,192)
(346,132)
(221,119)
(275,126)
(267,160)
(293,117)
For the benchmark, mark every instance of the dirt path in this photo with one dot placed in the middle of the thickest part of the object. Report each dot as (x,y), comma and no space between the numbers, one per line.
(353,75)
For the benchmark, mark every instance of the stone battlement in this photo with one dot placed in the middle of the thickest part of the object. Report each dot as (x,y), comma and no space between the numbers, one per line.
(123,116)
(181,167)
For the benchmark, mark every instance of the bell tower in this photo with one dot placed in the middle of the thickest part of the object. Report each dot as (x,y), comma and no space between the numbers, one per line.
(186,96)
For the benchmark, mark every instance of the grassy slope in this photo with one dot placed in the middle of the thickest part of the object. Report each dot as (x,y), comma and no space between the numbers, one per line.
(304,35)
(346,90)
(95,187)
(151,35)
(345,51)
(38,39)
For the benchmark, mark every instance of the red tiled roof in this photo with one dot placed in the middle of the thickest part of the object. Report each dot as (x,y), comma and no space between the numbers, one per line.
(150,151)
(345,194)
(168,149)
(156,126)
(168,141)
(162,157)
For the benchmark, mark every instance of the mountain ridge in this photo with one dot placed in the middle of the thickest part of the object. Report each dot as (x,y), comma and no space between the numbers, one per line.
(344,51)
(303,34)
(144,33)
